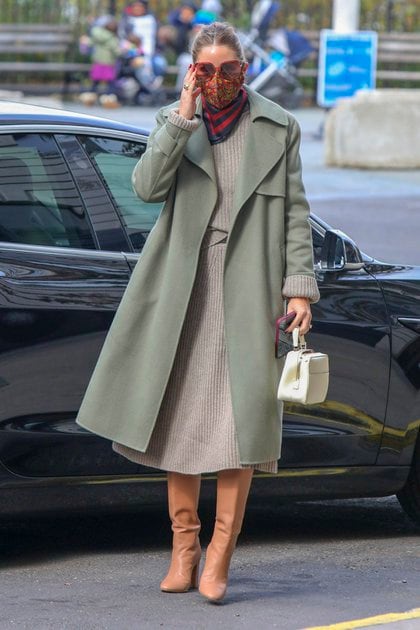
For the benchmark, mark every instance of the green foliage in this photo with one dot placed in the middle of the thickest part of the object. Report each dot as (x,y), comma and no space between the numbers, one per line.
(381,15)
(398,15)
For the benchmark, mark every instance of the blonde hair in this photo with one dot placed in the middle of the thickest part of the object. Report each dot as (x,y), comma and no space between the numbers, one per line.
(217,34)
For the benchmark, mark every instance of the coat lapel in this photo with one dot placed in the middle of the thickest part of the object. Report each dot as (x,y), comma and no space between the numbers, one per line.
(264,146)
(198,151)
(198,148)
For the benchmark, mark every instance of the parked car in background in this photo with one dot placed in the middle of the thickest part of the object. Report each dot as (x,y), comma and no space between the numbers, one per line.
(71,232)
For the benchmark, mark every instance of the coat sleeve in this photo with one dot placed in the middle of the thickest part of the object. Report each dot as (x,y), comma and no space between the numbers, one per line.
(299,276)
(155,172)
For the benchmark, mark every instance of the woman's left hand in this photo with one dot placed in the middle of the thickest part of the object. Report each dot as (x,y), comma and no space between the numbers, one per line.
(303,314)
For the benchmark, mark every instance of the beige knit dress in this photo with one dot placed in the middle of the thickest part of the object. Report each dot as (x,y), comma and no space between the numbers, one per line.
(195,429)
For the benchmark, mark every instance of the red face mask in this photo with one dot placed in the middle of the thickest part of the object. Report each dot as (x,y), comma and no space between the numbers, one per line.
(220,86)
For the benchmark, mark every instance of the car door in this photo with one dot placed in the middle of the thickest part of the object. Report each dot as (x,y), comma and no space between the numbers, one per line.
(350,324)
(62,275)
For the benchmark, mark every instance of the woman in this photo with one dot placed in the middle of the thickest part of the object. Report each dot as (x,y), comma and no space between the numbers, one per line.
(187,378)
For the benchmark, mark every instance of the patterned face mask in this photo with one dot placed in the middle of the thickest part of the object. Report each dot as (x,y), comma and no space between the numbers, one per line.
(219,91)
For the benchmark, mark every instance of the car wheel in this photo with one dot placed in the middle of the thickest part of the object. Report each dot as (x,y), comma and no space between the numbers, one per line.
(409,496)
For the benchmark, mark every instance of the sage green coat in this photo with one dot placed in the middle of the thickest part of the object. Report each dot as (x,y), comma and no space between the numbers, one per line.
(269,252)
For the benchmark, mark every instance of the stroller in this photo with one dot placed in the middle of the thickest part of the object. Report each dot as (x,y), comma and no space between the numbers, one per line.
(274,57)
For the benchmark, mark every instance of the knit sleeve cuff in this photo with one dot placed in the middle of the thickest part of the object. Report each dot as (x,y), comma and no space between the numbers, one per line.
(180,121)
(301,286)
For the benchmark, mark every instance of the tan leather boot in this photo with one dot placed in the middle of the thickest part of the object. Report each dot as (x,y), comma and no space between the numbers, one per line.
(183,495)
(232,493)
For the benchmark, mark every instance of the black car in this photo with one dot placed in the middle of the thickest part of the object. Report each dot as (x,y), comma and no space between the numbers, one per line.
(71,230)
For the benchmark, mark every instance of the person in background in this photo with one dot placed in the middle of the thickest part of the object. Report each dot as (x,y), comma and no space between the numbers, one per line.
(137,20)
(182,19)
(201,18)
(212,6)
(105,53)
(85,42)
(136,65)
(210,12)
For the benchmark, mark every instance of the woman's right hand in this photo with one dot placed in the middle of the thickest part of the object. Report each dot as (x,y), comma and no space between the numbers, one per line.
(188,94)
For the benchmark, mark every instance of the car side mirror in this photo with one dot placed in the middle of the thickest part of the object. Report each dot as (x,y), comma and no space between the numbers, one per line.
(340,252)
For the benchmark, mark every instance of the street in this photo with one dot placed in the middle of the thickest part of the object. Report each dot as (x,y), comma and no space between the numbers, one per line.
(297,565)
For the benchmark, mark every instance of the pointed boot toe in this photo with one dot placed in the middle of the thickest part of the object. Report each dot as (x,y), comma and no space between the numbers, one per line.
(182,575)
(213,591)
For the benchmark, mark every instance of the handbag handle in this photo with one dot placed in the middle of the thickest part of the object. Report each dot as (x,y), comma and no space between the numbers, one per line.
(298,339)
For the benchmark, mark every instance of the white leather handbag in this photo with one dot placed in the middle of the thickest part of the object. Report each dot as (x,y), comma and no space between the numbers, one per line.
(305,374)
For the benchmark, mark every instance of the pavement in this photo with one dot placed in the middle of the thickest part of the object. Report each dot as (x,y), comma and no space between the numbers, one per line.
(298,566)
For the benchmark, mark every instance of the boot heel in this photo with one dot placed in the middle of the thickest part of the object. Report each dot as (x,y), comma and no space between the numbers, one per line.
(194,575)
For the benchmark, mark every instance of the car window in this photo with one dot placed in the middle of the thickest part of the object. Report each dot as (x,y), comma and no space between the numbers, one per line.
(317,241)
(39,202)
(115,160)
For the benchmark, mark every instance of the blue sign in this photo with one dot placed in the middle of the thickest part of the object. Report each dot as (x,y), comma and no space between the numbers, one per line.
(347,63)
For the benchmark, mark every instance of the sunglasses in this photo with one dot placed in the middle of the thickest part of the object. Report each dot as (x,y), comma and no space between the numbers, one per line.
(228,69)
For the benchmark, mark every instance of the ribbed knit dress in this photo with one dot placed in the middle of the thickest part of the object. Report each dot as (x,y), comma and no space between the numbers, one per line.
(195,429)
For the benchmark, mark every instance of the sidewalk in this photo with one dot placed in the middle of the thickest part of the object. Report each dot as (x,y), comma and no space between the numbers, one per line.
(379,209)
(324,182)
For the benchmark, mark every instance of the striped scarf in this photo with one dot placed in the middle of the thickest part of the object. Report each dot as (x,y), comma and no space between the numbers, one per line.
(220,122)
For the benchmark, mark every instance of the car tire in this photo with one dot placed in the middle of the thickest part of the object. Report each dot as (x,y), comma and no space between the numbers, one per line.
(409,495)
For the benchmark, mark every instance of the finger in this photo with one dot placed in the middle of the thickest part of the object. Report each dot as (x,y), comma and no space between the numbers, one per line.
(299,320)
(295,322)
(192,80)
(191,73)
(189,86)
(188,78)
(190,70)
(306,322)
(187,92)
